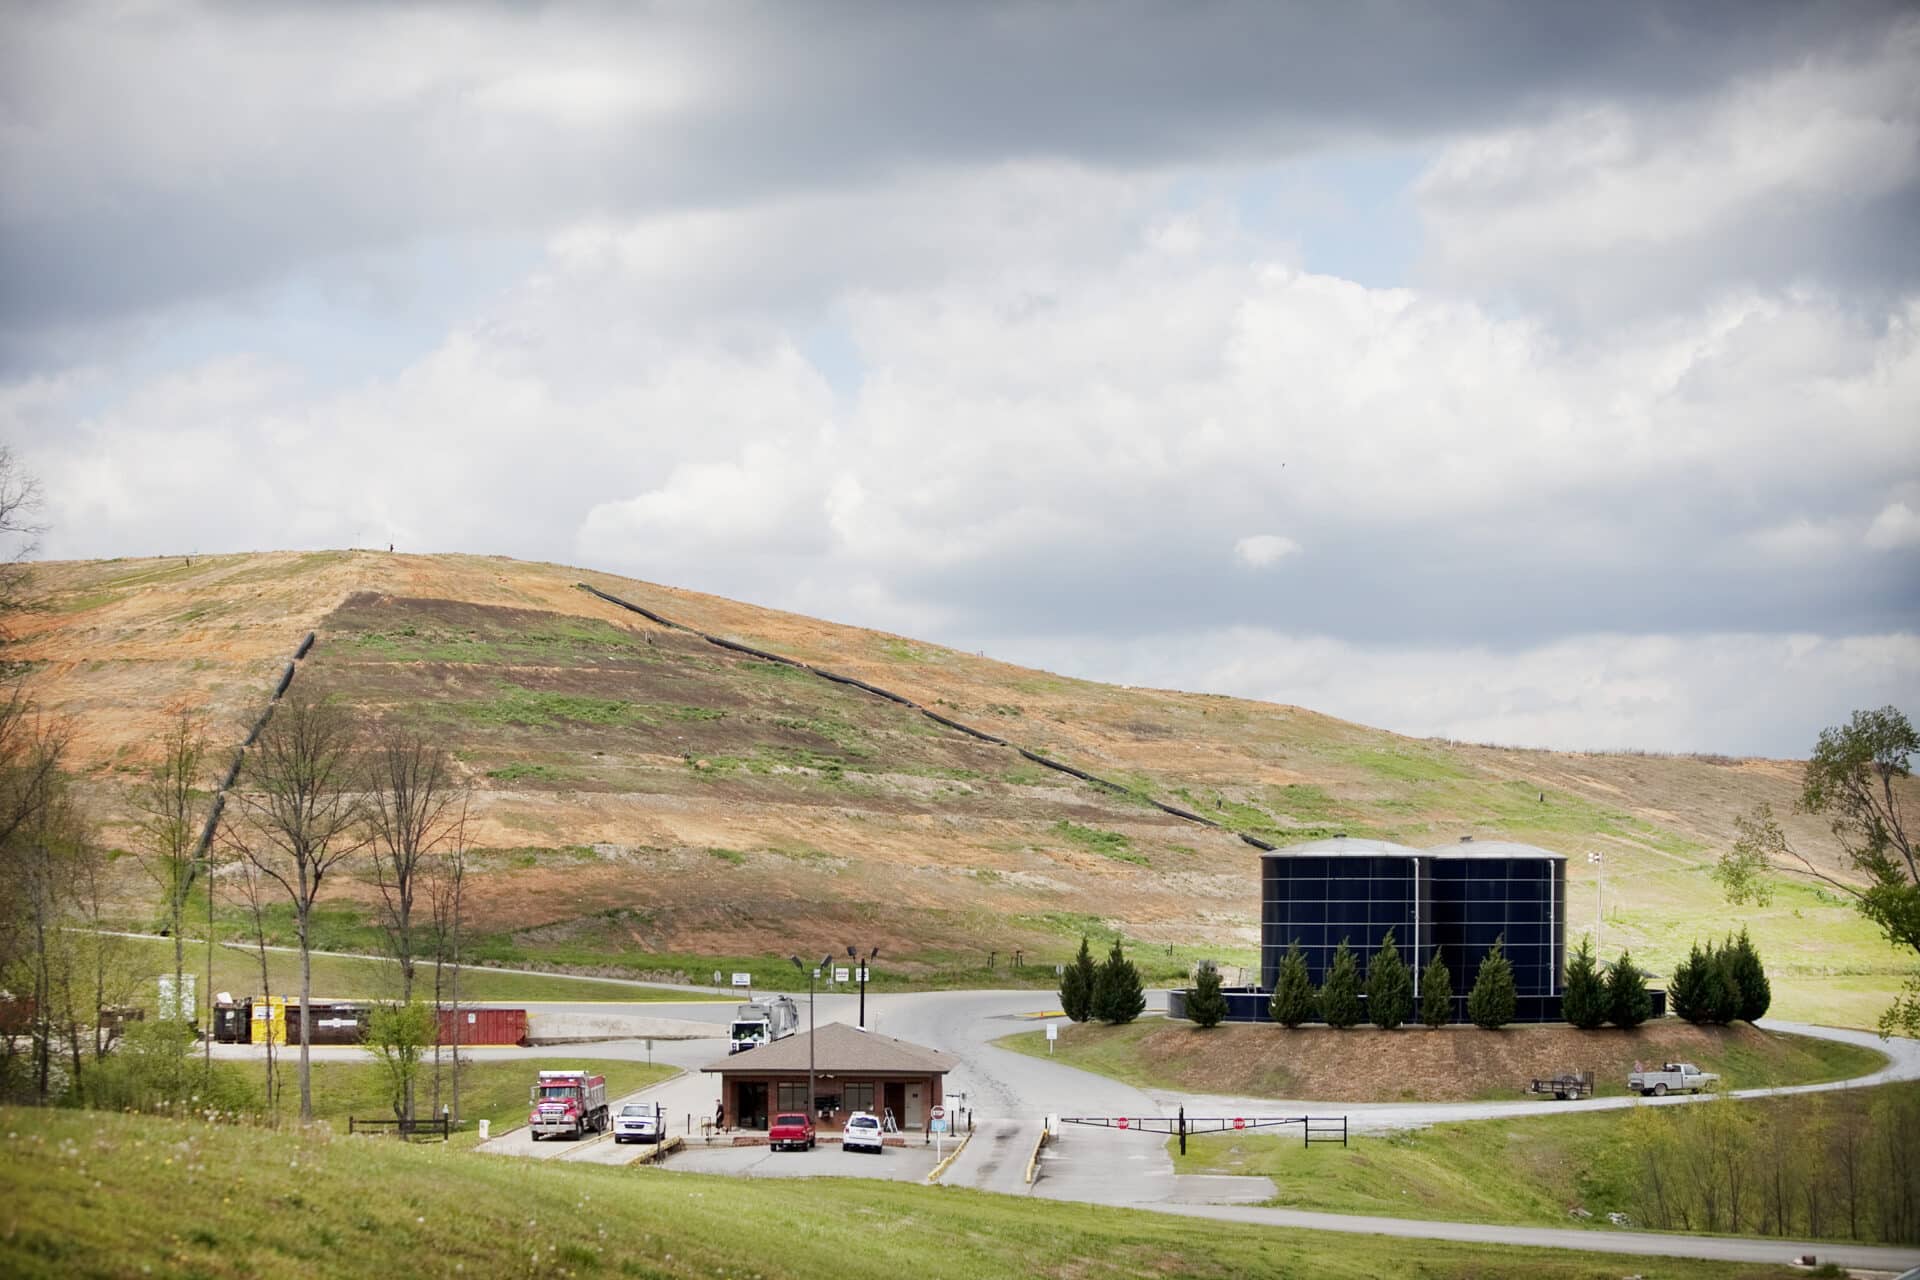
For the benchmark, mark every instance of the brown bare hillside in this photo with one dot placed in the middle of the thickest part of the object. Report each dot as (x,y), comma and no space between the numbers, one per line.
(650,800)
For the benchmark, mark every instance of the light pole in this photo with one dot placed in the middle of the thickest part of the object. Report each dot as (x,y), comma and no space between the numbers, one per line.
(813,976)
(862,965)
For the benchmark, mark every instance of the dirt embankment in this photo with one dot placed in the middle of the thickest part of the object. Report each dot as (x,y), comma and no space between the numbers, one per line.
(1447,1064)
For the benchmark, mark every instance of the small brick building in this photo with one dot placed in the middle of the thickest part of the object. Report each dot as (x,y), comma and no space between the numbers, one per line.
(853,1070)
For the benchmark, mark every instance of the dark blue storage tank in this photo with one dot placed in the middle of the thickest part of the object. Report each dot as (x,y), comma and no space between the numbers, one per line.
(1455,899)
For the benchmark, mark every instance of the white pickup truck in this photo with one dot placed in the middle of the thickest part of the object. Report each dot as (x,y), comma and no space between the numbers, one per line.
(1672,1077)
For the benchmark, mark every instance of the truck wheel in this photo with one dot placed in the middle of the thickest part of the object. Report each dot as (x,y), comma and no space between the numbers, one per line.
(1660,1090)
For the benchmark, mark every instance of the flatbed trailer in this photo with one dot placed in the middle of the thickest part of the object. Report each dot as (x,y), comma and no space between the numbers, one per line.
(1565,1086)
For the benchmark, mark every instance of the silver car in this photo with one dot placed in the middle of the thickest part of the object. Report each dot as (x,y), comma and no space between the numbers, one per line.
(638,1122)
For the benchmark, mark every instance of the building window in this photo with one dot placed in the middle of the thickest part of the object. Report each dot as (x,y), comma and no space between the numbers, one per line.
(793,1096)
(857,1097)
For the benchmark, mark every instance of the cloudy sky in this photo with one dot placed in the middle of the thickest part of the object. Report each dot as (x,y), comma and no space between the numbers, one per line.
(1530,373)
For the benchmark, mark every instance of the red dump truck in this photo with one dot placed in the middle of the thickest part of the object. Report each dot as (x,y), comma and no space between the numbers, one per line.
(573,1103)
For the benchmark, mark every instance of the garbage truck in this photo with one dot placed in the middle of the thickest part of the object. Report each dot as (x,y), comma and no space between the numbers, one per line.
(763,1022)
(573,1103)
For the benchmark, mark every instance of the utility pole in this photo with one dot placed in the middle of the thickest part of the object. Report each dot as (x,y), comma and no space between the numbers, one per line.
(1599,896)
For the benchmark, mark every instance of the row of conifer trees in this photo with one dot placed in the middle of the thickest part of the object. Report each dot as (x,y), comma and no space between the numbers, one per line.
(1110,991)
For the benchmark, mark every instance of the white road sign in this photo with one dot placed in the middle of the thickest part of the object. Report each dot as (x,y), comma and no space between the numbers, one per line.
(840,975)
(742,979)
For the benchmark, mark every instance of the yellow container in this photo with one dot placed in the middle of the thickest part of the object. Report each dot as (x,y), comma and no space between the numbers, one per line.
(269,1020)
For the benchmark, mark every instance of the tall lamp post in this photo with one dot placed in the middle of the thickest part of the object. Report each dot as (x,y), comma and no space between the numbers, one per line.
(854,952)
(1599,896)
(813,976)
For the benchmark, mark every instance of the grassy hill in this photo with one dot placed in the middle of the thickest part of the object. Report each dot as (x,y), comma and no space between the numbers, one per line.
(651,803)
(85,1194)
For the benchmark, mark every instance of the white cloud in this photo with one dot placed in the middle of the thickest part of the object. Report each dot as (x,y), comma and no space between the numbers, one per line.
(1896,527)
(1613,205)
(1263,550)
(1800,539)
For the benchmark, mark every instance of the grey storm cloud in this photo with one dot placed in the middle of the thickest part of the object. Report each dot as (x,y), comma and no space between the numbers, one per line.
(156,155)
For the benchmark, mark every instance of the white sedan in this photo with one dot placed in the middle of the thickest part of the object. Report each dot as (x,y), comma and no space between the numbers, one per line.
(638,1122)
(862,1132)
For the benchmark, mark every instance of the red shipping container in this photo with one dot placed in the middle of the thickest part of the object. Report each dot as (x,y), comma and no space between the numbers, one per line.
(484,1026)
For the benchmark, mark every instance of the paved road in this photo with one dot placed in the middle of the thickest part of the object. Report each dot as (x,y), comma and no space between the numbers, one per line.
(896,1164)
(1647,1243)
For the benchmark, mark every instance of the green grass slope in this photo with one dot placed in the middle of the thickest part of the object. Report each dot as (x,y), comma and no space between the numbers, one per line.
(1784,1159)
(93,1195)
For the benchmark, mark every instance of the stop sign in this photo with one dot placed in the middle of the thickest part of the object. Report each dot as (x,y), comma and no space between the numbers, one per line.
(939,1113)
(1123,1122)
(1239,1123)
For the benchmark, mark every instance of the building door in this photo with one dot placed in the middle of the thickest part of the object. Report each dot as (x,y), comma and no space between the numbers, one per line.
(750,1101)
(897,1102)
(916,1113)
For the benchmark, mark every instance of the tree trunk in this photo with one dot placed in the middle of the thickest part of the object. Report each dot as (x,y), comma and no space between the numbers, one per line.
(306,1024)
(179,961)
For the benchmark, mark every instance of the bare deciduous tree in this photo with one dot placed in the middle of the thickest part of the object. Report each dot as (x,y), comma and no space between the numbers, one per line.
(19,499)
(446,893)
(172,808)
(250,891)
(298,815)
(413,802)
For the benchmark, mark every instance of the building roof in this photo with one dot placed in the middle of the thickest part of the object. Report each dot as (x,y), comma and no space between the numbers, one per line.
(1360,847)
(1493,849)
(838,1047)
(1348,846)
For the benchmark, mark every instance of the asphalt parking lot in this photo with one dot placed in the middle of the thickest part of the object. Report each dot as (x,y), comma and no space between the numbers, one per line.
(897,1164)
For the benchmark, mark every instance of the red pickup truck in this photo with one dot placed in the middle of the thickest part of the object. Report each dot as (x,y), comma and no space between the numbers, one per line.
(791,1131)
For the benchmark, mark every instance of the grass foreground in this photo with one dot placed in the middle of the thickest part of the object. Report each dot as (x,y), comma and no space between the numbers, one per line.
(111,1195)
(1458,1063)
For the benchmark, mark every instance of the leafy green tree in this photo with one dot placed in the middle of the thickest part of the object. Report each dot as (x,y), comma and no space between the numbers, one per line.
(1389,987)
(1436,993)
(1756,993)
(1293,1001)
(1628,1004)
(1340,992)
(1206,1003)
(1492,1001)
(1076,985)
(1687,991)
(1853,779)
(1584,1002)
(399,1034)
(1118,993)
